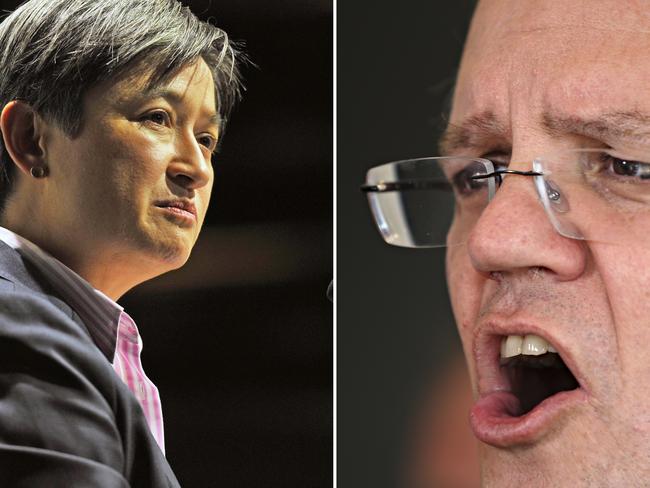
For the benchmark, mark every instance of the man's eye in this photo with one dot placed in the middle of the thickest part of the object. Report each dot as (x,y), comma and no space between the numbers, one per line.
(624,167)
(463,181)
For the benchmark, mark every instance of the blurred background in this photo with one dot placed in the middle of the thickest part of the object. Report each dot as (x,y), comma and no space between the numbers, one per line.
(248,398)
(402,389)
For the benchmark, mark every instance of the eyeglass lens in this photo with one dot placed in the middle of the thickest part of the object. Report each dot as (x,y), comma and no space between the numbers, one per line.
(586,193)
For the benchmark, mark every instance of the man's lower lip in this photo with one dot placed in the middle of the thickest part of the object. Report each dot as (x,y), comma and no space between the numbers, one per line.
(492,420)
(180,213)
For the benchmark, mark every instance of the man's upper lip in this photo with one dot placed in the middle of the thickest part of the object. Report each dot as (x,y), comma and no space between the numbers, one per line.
(487,353)
(182,203)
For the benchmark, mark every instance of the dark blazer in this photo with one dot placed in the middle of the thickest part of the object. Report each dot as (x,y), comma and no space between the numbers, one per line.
(66,418)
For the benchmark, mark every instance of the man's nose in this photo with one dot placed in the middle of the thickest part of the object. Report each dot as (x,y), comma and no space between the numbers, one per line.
(191,166)
(514,233)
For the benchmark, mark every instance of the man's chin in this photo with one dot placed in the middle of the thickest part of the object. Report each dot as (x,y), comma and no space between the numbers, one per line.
(518,467)
(570,458)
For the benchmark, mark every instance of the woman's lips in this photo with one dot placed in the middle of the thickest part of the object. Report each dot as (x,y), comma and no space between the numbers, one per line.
(179,212)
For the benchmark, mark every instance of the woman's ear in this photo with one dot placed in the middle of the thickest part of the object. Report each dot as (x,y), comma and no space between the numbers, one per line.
(21,127)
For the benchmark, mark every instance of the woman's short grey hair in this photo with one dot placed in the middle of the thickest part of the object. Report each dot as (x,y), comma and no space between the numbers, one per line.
(53,51)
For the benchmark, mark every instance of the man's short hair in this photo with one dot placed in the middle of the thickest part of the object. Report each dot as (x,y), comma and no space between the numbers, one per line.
(53,51)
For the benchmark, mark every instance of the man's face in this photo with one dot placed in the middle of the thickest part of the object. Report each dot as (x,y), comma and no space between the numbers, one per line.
(111,190)
(526,63)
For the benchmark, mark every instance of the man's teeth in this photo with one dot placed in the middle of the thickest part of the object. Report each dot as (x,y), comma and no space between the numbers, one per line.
(528,345)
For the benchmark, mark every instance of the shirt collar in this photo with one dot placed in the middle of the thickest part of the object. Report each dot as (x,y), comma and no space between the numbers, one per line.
(100,314)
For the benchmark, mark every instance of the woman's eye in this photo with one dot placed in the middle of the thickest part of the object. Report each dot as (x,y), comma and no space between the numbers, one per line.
(158,117)
(208,141)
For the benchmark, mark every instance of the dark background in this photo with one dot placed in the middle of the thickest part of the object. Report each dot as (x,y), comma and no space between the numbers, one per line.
(396,64)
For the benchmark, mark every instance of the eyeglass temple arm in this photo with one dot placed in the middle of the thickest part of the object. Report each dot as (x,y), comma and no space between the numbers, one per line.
(437,184)
(430,184)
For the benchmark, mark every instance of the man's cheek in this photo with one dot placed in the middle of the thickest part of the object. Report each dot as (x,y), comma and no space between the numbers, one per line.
(463,291)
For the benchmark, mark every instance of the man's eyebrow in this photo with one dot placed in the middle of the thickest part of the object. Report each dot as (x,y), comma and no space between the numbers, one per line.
(632,126)
(479,130)
(471,133)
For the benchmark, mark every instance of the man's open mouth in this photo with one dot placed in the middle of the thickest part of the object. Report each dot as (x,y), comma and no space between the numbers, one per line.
(525,383)
(534,370)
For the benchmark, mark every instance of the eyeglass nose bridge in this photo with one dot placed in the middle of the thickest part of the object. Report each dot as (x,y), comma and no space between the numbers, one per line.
(498,176)
(549,194)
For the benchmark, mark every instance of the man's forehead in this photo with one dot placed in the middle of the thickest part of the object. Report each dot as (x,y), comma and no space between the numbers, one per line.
(506,30)
(515,17)
(525,61)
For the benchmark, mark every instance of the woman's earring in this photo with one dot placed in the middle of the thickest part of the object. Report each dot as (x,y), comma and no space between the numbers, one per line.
(38,171)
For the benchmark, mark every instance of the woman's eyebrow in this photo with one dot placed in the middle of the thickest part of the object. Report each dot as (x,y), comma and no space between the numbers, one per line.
(215,119)
(176,98)
(162,92)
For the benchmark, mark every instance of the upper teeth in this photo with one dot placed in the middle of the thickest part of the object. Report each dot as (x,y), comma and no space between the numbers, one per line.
(530,345)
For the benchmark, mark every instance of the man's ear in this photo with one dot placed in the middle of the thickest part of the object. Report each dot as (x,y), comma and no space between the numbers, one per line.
(21,127)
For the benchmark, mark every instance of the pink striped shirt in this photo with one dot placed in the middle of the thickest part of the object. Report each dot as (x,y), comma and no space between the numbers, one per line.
(128,366)
(111,328)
